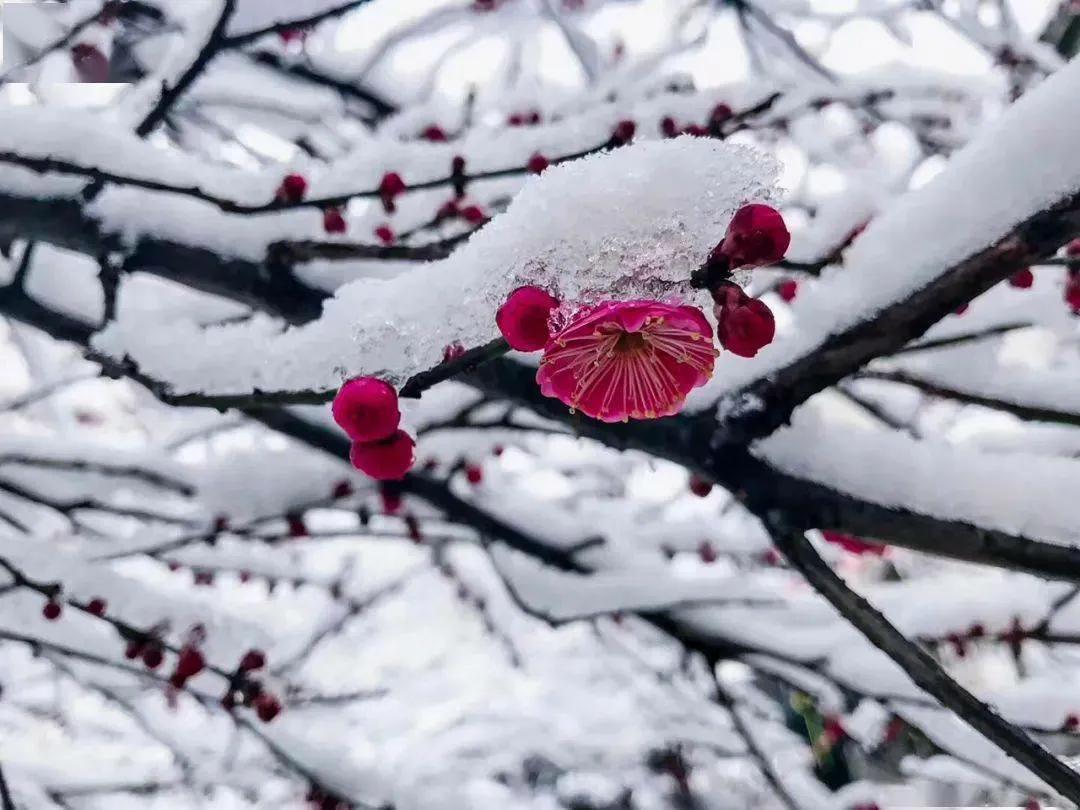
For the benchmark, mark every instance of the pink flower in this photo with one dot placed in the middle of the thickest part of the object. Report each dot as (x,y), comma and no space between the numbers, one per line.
(744,325)
(756,236)
(367,409)
(385,460)
(523,319)
(624,360)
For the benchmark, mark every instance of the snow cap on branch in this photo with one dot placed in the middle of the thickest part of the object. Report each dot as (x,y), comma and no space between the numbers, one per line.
(628,224)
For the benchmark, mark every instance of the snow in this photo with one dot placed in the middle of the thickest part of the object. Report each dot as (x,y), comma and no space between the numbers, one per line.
(632,220)
(1021,494)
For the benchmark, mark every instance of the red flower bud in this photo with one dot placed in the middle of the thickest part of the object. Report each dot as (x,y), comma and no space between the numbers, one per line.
(699,486)
(189,663)
(756,236)
(1022,279)
(97,606)
(366,408)
(623,133)
(90,63)
(385,234)
(52,610)
(267,706)
(391,187)
(433,133)
(387,459)
(334,221)
(474,473)
(252,660)
(745,325)
(473,214)
(852,544)
(537,163)
(523,319)
(292,188)
(787,290)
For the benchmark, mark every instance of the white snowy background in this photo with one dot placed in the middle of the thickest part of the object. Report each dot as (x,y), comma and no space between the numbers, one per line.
(536,620)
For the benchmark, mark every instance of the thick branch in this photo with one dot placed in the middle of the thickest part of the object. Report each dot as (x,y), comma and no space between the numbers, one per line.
(919,666)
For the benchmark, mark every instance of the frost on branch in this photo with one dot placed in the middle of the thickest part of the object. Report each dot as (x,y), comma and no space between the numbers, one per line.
(633,223)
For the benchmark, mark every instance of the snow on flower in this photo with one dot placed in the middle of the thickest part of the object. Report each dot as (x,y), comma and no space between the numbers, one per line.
(624,360)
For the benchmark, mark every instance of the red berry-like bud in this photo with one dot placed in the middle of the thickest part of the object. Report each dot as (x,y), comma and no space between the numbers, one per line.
(448,210)
(624,132)
(385,234)
(852,544)
(433,133)
(252,660)
(720,113)
(1073,248)
(366,408)
(523,319)
(515,120)
(391,500)
(96,606)
(293,188)
(756,236)
(297,527)
(134,650)
(173,566)
(412,526)
(1023,279)
(696,130)
(745,325)
(52,610)
(334,221)
(342,489)
(90,63)
(291,35)
(1072,292)
(668,127)
(267,706)
(787,290)
(473,214)
(474,474)
(152,656)
(390,187)
(533,117)
(707,553)
(189,663)
(537,163)
(699,486)
(387,459)
(457,165)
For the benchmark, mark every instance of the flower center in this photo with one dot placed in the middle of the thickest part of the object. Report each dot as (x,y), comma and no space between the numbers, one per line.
(629,343)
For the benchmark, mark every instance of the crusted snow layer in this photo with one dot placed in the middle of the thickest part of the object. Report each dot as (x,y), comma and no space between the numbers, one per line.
(625,224)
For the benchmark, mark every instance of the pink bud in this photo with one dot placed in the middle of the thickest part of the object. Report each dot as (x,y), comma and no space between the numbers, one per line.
(523,319)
